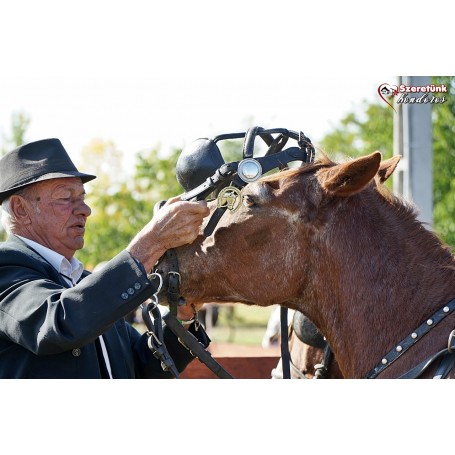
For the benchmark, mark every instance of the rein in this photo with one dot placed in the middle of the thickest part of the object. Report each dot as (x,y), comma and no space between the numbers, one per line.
(447,354)
(186,338)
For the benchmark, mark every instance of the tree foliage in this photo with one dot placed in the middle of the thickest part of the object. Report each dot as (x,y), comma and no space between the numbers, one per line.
(444,162)
(121,206)
(362,133)
(20,122)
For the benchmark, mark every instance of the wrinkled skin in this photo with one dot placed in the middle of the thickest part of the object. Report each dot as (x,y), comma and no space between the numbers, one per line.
(330,241)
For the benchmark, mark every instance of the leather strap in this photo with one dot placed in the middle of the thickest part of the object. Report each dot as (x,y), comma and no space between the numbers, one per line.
(156,338)
(195,347)
(423,366)
(447,363)
(322,369)
(173,281)
(213,221)
(248,143)
(410,340)
(285,354)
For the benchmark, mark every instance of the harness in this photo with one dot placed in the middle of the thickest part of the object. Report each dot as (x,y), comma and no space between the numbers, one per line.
(308,335)
(447,355)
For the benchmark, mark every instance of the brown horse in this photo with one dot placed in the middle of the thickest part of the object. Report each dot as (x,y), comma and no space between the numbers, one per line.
(331,241)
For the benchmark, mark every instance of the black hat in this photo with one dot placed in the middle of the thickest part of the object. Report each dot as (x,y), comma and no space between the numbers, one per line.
(34,162)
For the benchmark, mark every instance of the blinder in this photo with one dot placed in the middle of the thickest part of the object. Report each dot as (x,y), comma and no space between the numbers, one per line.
(307,332)
(202,171)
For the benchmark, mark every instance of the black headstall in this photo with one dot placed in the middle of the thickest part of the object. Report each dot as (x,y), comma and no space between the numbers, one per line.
(202,172)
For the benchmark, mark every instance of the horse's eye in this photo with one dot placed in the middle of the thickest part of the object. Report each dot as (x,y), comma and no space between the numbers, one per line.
(248,201)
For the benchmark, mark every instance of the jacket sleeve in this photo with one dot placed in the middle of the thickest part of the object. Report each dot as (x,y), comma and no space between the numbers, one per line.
(45,317)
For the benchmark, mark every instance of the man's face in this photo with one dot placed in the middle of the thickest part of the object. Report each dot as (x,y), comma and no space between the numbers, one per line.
(58,214)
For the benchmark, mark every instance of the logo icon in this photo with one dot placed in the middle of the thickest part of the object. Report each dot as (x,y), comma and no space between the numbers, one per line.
(387,91)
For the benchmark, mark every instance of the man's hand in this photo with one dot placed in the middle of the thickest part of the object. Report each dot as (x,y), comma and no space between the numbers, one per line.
(177,223)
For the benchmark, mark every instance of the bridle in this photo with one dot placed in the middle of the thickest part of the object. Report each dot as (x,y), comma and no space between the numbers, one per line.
(229,179)
(226,181)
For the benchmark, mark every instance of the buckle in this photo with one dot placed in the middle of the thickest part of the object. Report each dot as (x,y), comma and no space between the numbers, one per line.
(450,347)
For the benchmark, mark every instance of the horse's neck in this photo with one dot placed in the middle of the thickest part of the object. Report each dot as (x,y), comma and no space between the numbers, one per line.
(378,281)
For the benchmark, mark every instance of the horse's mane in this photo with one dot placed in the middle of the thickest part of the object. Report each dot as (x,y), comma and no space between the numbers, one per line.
(402,207)
(323,161)
(403,210)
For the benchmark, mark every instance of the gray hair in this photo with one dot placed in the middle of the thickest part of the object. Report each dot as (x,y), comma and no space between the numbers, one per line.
(7,217)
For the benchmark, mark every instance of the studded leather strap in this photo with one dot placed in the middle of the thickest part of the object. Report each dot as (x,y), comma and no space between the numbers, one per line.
(412,339)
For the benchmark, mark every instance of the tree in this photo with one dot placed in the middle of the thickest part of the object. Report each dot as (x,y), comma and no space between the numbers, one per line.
(444,162)
(20,122)
(362,133)
(122,205)
(155,177)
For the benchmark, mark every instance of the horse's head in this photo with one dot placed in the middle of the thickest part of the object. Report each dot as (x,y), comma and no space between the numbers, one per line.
(267,251)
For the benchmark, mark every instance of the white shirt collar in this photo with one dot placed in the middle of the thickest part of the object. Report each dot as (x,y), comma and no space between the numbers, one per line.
(70,270)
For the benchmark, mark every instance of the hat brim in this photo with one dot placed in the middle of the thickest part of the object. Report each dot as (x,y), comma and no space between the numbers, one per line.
(53,175)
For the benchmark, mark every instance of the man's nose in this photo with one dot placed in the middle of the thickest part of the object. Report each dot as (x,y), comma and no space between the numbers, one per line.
(83,209)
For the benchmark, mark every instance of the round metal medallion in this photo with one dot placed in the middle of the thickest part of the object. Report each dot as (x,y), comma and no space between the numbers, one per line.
(249,170)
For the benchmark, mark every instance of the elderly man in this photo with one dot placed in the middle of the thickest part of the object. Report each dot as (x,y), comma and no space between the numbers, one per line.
(56,319)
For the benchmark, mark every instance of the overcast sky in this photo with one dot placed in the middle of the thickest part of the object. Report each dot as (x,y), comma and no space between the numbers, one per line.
(147,73)
(138,113)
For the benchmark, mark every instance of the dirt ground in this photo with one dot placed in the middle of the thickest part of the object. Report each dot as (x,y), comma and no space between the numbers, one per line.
(237,350)
(241,361)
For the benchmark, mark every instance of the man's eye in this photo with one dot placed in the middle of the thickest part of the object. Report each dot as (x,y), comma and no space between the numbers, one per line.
(248,201)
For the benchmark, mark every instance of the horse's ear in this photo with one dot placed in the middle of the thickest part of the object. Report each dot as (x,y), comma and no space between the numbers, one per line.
(351,177)
(387,167)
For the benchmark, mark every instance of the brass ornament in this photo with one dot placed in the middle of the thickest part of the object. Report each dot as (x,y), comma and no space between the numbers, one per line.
(229,197)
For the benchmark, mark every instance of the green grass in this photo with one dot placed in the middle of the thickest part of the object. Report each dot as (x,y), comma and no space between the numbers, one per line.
(237,324)
(240,324)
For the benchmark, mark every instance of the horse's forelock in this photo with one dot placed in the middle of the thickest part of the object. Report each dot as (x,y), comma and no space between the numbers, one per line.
(322,162)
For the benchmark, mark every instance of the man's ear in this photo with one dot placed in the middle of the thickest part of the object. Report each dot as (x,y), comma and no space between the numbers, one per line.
(19,209)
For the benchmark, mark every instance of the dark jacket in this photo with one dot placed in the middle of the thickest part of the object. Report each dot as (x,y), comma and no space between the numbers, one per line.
(47,330)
